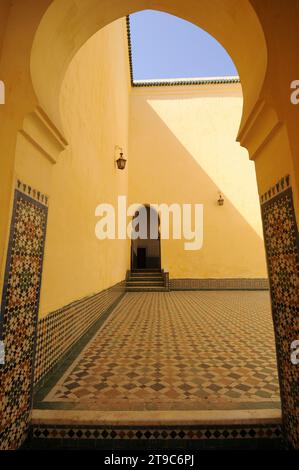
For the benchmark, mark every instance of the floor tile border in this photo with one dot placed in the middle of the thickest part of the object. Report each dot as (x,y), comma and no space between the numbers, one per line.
(219,284)
(240,432)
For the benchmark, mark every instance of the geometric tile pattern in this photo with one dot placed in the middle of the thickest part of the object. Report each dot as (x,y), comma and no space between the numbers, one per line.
(176,351)
(281,241)
(151,433)
(59,330)
(19,312)
(223,284)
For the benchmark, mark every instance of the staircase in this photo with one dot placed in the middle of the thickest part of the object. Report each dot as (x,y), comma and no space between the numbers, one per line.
(145,280)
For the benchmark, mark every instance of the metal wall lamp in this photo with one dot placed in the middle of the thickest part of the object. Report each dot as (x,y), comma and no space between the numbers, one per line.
(121,161)
(220,200)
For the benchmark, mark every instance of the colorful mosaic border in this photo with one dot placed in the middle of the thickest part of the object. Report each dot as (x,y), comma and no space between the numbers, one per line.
(281,242)
(279,187)
(157,433)
(60,330)
(19,311)
(219,284)
(32,193)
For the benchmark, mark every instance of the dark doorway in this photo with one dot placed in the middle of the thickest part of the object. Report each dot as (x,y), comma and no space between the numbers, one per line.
(141,258)
(146,253)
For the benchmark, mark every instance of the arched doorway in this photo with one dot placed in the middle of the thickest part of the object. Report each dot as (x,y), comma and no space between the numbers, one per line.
(146,251)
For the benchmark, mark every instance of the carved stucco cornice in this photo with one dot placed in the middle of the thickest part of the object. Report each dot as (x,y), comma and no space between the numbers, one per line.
(260,128)
(40,132)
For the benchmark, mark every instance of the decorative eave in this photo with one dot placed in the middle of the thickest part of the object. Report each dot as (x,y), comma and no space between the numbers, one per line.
(130,49)
(173,82)
(186,82)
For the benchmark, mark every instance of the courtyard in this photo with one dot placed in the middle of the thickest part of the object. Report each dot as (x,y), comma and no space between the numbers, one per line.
(173,351)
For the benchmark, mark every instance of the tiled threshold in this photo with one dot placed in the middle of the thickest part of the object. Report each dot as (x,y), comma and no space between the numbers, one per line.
(127,430)
(156,418)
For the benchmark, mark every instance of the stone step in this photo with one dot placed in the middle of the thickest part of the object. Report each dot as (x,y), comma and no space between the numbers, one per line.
(253,429)
(145,284)
(145,280)
(144,289)
(146,271)
(146,276)
(142,279)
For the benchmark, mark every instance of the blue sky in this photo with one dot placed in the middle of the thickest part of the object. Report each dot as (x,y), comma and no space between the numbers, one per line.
(164,46)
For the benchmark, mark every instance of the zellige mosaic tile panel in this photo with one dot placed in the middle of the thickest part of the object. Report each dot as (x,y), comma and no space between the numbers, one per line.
(281,241)
(19,312)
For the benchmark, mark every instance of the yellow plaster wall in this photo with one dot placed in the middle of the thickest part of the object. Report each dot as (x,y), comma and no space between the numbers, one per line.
(95,109)
(183,150)
(4,11)
(77,25)
(69,24)
(18,22)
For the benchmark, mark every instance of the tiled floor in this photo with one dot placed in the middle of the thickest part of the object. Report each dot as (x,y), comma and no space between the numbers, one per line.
(175,351)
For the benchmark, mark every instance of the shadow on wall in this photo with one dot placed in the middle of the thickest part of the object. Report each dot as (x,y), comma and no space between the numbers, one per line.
(163,170)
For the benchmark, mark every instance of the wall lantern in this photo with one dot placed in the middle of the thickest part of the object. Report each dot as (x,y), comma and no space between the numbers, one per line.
(220,200)
(121,161)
